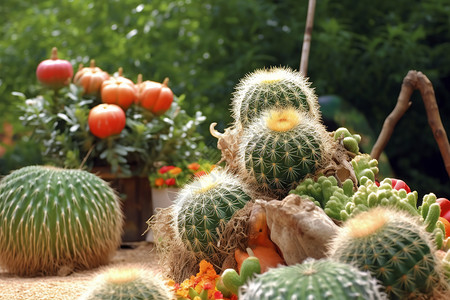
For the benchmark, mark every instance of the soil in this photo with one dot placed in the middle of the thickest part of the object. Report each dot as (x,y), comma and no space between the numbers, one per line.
(74,285)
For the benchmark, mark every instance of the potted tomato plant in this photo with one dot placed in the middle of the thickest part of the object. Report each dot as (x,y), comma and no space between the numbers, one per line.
(121,142)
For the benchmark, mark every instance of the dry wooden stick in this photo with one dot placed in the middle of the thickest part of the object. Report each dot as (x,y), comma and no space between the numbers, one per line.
(307,37)
(415,81)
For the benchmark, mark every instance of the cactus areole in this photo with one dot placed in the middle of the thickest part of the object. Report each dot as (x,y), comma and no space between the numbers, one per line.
(53,219)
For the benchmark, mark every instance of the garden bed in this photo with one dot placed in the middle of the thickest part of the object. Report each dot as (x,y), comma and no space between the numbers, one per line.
(74,285)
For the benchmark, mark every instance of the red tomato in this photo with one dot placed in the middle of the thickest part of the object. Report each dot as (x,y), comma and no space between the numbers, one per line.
(106,120)
(444,203)
(154,96)
(54,73)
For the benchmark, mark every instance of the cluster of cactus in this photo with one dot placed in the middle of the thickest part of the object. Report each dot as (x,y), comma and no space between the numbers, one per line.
(283,139)
(53,219)
(125,282)
(204,206)
(313,279)
(394,247)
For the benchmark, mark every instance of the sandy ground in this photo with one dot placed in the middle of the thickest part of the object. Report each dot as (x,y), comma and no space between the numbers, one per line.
(74,285)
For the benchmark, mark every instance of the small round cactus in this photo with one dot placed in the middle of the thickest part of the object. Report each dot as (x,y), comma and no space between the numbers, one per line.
(273,88)
(313,279)
(394,247)
(206,204)
(281,148)
(128,282)
(53,219)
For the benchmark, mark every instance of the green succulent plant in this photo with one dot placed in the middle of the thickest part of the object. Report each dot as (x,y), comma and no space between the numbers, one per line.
(281,148)
(313,279)
(52,218)
(127,283)
(205,205)
(394,247)
(273,88)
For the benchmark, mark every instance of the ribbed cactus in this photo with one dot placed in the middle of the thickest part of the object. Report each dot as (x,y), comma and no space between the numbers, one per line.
(280,148)
(126,283)
(313,279)
(204,205)
(52,219)
(273,88)
(394,247)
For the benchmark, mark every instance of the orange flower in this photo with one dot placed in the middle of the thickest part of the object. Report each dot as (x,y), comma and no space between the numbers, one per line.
(194,166)
(175,171)
(159,181)
(199,173)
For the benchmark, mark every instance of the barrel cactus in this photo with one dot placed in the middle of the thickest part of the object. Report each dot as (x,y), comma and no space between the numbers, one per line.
(395,248)
(53,219)
(128,282)
(313,279)
(281,148)
(273,88)
(203,206)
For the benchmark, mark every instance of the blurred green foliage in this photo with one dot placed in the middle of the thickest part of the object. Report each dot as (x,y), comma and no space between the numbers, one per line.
(361,51)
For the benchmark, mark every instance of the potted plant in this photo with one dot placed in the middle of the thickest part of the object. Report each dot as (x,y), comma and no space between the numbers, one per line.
(78,126)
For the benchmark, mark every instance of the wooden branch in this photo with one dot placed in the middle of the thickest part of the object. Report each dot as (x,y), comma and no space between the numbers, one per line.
(307,37)
(415,81)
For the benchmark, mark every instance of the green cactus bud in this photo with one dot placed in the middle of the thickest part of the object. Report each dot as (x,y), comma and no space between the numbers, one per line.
(277,88)
(394,247)
(204,205)
(350,141)
(53,218)
(313,279)
(282,148)
(326,193)
(365,166)
(125,282)
(232,281)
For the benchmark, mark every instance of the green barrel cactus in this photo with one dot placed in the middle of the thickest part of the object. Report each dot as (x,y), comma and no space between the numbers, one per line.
(126,283)
(394,247)
(204,206)
(53,219)
(280,149)
(313,279)
(272,88)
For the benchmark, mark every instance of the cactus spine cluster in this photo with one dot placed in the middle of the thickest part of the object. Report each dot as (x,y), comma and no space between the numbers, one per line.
(394,248)
(313,279)
(125,282)
(206,204)
(279,149)
(273,88)
(53,218)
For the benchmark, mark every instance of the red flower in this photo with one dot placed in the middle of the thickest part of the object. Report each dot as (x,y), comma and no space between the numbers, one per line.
(170,181)
(200,174)
(218,295)
(165,169)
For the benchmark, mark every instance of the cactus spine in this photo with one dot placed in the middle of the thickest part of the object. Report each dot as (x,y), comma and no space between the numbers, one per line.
(313,279)
(204,205)
(281,148)
(394,248)
(272,88)
(52,218)
(125,282)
